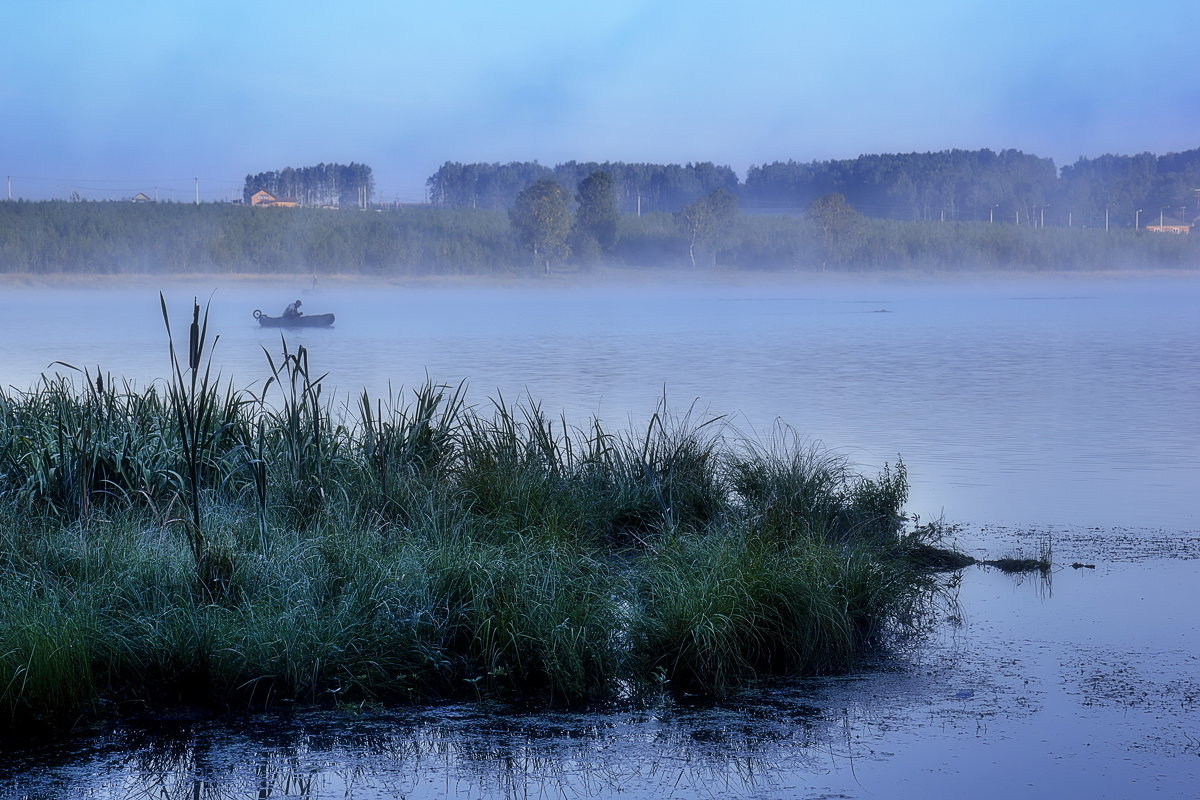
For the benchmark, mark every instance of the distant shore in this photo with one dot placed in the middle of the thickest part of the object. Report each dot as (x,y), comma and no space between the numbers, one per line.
(606,276)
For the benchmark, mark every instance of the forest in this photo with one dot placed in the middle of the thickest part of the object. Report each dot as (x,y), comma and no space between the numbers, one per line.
(947,186)
(639,187)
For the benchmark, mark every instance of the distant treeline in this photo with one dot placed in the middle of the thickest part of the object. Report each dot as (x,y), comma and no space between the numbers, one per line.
(639,187)
(952,185)
(323,185)
(148,238)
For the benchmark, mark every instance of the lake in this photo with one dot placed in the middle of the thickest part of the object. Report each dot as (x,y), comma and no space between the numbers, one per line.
(1043,411)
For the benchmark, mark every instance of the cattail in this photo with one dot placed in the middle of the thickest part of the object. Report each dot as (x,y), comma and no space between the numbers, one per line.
(194,339)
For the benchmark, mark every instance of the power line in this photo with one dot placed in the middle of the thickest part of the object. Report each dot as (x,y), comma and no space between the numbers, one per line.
(68,179)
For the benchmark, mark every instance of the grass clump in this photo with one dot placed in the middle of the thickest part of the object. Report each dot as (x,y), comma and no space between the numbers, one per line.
(720,607)
(525,616)
(791,488)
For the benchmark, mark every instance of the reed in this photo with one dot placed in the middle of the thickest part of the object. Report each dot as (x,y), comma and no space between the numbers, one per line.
(519,471)
(417,438)
(193,410)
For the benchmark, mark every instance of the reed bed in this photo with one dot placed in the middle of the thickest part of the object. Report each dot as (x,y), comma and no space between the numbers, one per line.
(240,550)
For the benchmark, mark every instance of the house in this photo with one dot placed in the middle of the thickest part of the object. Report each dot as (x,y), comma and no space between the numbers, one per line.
(140,197)
(1169,225)
(264,198)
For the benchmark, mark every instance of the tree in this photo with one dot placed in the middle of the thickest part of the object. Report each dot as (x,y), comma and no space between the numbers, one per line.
(841,227)
(541,220)
(325,184)
(596,215)
(707,223)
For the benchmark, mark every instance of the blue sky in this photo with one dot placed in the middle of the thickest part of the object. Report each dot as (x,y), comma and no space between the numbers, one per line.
(111,97)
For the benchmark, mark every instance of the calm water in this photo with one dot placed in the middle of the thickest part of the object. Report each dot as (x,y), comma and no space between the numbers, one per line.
(1036,402)
(1044,411)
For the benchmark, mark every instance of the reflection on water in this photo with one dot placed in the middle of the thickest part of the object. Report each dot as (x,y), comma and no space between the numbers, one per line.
(1089,690)
(1044,402)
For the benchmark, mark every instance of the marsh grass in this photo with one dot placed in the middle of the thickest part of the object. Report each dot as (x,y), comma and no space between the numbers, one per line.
(306,444)
(525,616)
(247,550)
(670,478)
(793,488)
(720,607)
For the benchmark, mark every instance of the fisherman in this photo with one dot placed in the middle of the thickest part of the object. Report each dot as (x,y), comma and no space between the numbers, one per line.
(292,311)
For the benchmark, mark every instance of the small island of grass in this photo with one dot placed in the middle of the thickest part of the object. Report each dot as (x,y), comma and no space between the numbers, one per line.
(215,547)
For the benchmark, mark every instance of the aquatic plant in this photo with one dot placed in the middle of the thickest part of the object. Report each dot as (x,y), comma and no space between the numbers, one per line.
(720,607)
(794,488)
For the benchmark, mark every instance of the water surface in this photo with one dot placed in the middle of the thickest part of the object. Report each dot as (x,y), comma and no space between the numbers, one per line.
(1038,401)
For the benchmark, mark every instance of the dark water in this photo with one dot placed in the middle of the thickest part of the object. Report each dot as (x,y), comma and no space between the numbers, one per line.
(1047,413)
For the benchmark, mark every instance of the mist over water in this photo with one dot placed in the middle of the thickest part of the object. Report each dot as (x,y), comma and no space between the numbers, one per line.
(1043,401)
(1031,402)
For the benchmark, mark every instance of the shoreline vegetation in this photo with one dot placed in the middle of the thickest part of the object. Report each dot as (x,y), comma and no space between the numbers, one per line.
(602,276)
(59,238)
(201,545)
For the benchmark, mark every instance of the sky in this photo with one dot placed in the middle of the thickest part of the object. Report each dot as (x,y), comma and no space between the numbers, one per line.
(111,97)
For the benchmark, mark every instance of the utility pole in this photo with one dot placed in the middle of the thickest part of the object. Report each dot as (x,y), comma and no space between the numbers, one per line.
(197,190)
(10,187)
(1106,218)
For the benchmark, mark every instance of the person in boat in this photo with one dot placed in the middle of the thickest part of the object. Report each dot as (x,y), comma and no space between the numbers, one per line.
(293,311)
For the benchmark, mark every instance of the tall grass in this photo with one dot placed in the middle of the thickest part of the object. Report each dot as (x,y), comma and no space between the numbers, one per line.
(415,547)
(192,404)
(793,488)
(720,607)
